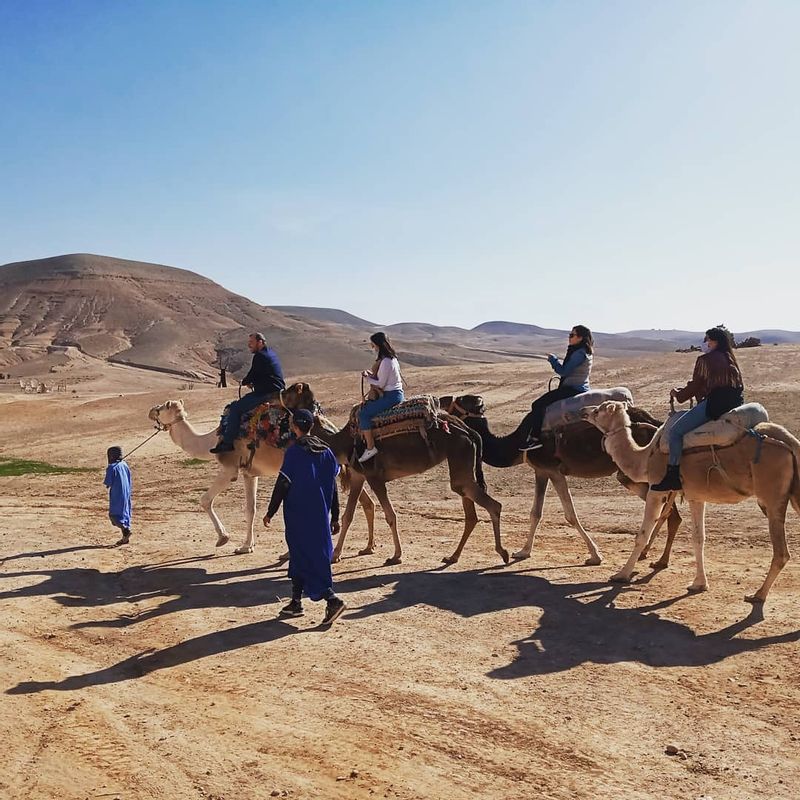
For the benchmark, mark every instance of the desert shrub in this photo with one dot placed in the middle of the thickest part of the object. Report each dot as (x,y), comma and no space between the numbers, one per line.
(750,341)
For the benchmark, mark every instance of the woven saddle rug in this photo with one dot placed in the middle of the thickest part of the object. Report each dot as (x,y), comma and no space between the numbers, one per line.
(265,423)
(415,415)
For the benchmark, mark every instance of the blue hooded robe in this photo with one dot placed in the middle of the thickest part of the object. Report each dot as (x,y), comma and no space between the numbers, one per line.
(310,469)
(118,481)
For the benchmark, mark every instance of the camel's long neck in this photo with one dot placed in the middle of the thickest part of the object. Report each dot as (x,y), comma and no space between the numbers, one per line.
(626,454)
(190,441)
(340,442)
(498,451)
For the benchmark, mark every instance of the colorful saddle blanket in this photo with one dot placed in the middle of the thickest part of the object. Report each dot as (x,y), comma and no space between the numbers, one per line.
(565,412)
(415,415)
(265,423)
(722,432)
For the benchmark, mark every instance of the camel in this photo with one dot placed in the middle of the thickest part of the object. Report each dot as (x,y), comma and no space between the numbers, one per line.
(577,451)
(172,417)
(764,466)
(404,455)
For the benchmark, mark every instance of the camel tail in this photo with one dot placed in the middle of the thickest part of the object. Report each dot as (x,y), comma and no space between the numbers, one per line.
(344,478)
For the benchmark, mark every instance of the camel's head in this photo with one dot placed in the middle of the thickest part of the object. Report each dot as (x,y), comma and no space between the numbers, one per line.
(609,415)
(298,395)
(466,405)
(168,413)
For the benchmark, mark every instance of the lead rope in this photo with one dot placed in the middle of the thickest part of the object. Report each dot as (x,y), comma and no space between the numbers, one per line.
(159,428)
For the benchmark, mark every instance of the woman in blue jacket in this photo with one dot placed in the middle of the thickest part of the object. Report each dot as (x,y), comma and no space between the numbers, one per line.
(574,373)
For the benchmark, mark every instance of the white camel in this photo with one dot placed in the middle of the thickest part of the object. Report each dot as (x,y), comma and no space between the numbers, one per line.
(764,467)
(172,417)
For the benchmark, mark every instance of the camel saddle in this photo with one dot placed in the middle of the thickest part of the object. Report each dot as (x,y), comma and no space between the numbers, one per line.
(415,415)
(567,412)
(722,432)
(265,423)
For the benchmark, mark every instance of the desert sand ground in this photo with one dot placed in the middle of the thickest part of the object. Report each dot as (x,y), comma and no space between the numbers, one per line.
(160,670)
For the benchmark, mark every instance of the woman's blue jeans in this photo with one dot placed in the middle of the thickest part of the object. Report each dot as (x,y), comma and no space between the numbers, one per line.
(693,418)
(372,408)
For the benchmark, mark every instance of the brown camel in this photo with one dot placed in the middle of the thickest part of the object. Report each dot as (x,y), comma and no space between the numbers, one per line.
(409,454)
(173,418)
(576,451)
(764,466)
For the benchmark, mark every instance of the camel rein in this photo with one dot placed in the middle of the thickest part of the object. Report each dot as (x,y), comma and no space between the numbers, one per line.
(159,428)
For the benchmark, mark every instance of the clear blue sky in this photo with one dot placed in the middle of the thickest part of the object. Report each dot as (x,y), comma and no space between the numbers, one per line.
(622,164)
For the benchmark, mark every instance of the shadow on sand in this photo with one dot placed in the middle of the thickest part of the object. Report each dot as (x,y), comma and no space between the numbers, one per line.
(577,622)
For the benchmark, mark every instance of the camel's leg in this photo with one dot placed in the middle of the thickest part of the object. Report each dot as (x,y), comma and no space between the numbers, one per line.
(652,511)
(673,522)
(564,494)
(698,509)
(356,487)
(539,491)
(219,485)
(250,493)
(379,487)
(780,550)
(470,521)
(470,495)
(368,506)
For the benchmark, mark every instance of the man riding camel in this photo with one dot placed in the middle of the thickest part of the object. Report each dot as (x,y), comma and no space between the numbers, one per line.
(266,379)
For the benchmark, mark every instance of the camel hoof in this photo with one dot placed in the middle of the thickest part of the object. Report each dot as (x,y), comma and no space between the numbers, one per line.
(697,589)
(336,558)
(390,562)
(504,555)
(367,551)
(520,554)
(619,578)
(243,550)
(754,599)
(657,565)
(593,561)
(449,560)
(223,539)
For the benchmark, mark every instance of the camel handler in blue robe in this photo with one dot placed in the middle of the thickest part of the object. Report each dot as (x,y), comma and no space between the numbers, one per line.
(306,486)
(118,483)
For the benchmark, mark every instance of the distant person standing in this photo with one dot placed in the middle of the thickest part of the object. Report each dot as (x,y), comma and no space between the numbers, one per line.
(118,483)
(266,379)
(306,487)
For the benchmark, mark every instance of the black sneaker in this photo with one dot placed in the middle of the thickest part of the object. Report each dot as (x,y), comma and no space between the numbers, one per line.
(222,447)
(532,444)
(671,482)
(294,608)
(334,610)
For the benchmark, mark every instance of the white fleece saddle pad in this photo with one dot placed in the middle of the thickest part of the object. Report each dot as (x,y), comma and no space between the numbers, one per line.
(726,430)
(565,412)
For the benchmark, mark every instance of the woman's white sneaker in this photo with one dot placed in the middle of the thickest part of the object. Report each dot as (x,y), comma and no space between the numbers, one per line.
(369,453)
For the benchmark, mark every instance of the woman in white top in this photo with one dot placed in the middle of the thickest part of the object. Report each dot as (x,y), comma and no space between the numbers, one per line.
(385,375)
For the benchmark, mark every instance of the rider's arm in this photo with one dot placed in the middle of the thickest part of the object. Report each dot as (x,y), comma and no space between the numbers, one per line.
(570,365)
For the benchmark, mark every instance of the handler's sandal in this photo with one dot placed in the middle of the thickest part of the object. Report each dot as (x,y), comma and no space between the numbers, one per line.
(222,447)
(671,482)
(368,454)
(294,608)
(334,610)
(531,444)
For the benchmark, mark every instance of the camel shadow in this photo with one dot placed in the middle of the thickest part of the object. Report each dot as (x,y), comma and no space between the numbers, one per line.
(578,623)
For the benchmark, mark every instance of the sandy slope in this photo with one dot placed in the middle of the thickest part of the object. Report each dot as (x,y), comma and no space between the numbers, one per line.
(160,670)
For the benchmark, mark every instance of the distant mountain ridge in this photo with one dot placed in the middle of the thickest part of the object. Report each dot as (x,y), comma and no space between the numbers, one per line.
(170,319)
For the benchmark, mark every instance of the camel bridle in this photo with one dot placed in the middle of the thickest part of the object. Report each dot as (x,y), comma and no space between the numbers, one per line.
(611,433)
